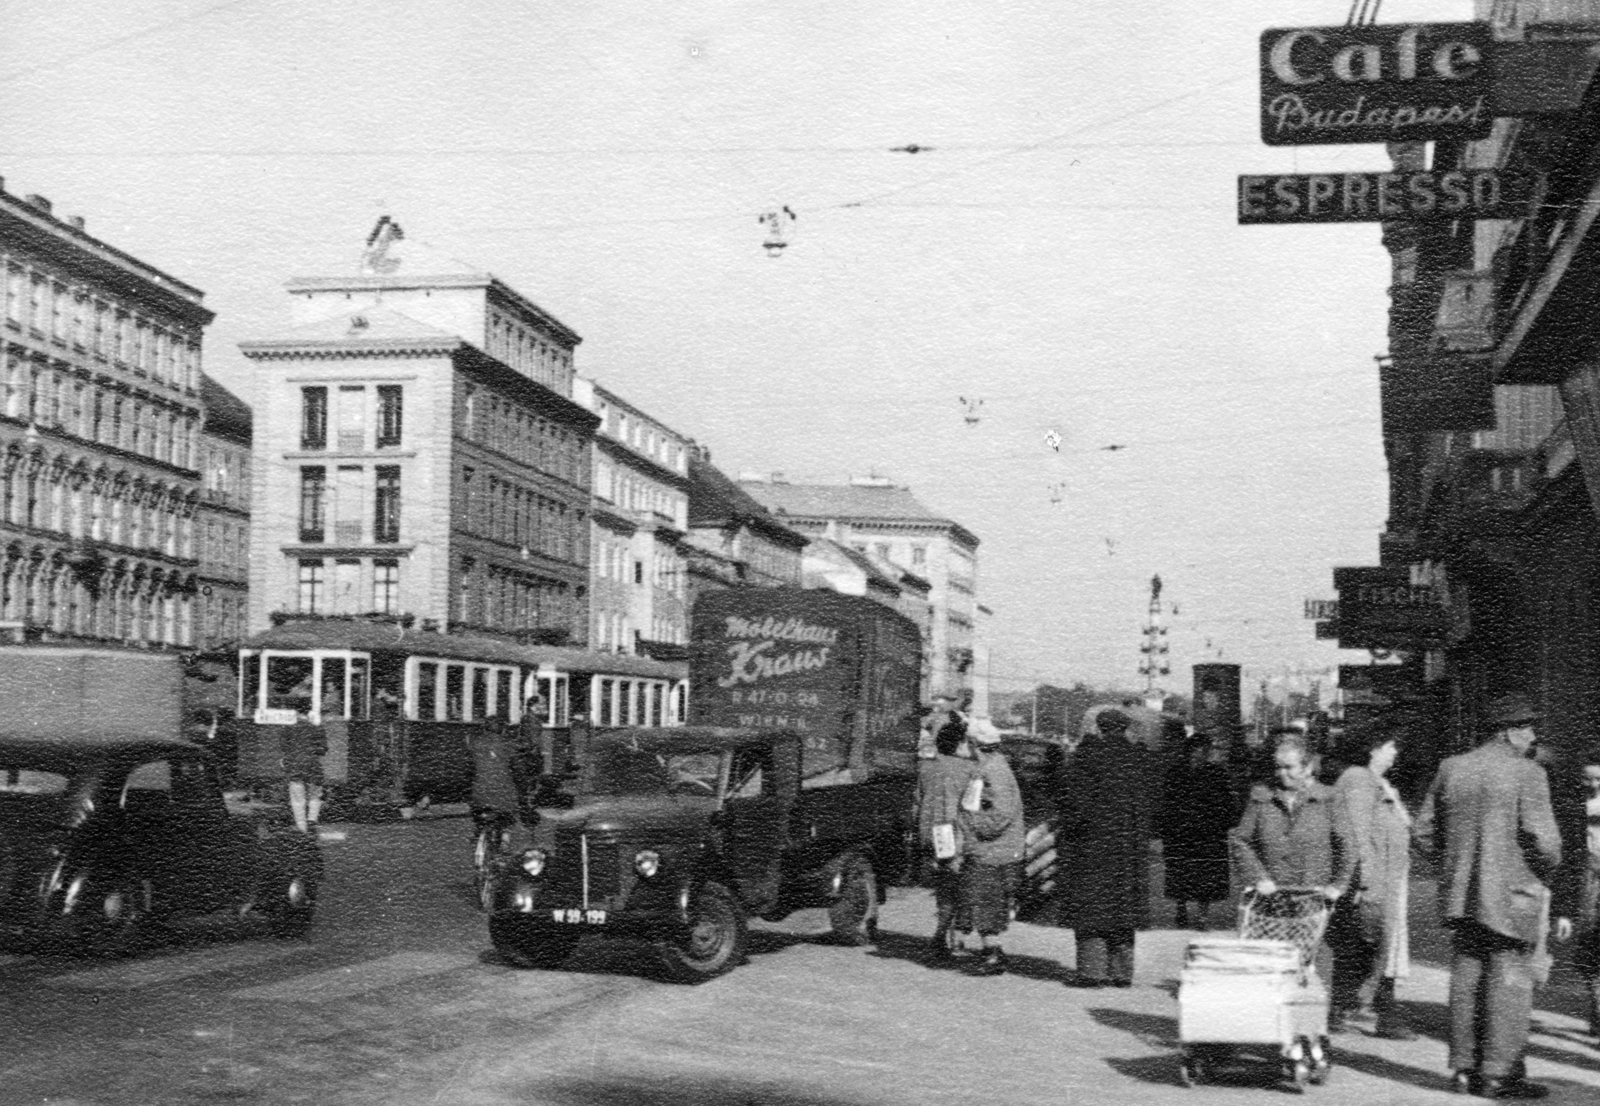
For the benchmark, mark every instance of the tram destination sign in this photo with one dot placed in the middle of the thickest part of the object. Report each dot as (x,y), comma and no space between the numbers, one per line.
(1376,83)
(1428,196)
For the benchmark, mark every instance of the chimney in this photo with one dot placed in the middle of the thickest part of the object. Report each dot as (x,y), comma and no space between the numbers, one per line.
(873,481)
(75,222)
(33,199)
(746,476)
(777,478)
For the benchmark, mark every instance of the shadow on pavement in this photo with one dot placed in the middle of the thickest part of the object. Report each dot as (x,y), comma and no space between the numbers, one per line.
(1432,1020)
(914,949)
(680,1090)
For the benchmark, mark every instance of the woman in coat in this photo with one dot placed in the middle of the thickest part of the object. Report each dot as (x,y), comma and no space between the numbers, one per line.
(1197,811)
(1368,934)
(941,779)
(1103,845)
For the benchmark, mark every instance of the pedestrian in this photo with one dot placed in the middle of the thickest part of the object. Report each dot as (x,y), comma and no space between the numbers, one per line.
(304,745)
(1103,851)
(1293,834)
(941,781)
(1487,817)
(495,804)
(942,710)
(1197,811)
(1578,907)
(992,830)
(1368,933)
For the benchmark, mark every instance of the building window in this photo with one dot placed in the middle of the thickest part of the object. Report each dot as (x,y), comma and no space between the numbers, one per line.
(313,503)
(386,516)
(882,550)
(386,587)
(389,415)
(313,418)
(919,556)
(310,587)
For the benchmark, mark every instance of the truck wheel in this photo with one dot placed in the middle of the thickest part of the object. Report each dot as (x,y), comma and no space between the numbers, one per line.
(714,941)
(294,902)
(526,944)
(854,914)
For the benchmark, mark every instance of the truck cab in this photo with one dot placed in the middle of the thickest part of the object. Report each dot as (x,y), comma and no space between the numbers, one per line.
(679,837)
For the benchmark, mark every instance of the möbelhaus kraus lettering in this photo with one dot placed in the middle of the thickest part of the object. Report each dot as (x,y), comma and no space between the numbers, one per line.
(1375,83)
(750,661)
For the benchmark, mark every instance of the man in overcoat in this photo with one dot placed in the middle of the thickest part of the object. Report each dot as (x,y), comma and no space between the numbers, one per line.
(1488,819)
(1103,841)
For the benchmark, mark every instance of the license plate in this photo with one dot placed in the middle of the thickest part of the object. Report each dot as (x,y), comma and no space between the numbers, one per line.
(579,917)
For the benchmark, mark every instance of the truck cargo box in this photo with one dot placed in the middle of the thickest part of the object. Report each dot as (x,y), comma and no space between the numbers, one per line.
(73,692)
(842,671)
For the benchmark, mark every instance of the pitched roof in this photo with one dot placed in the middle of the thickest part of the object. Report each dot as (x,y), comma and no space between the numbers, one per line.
(226,415)
(715,500)
(875,575)
(875,502)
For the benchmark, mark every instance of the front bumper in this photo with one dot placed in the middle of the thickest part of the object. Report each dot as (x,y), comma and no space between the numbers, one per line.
(646,907)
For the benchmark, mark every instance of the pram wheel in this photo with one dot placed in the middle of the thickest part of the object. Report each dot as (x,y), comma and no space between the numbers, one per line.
(1321,1062)
(1298,1065)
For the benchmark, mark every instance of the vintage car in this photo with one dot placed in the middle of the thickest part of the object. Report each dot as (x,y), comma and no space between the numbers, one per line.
(102,839)
(679,836)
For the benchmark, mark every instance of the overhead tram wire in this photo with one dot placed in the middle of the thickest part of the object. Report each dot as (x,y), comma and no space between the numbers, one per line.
(61,61)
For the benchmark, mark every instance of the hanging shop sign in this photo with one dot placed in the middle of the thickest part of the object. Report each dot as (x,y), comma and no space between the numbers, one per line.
(1375,83)
(1428,196)
(1425,395)
(1381,607)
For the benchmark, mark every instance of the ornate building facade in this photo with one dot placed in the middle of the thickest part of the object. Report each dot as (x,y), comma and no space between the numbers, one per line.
(222,521)
(418,452)
(99,435)
(638,590)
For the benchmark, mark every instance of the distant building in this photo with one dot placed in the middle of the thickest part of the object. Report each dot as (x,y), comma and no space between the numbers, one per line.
(638,589)
(733,540)
(99,435)
(873,515)
(418,452)
(222,519)
(828,564)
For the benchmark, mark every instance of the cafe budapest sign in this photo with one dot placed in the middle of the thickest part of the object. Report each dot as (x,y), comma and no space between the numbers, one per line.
(1445,195)
(1375,83)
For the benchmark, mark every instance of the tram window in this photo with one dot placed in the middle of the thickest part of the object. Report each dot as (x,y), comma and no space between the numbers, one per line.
(560,702)
(680,703)
(427,691)
(502,693)
(655,704)
(333,690)
(358,687)
(388,685)
(249,684)
(602,702)
(289,683)
(455,679)
(625,711)
(480,692)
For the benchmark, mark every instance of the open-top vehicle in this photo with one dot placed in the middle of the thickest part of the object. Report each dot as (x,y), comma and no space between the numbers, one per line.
(678,837)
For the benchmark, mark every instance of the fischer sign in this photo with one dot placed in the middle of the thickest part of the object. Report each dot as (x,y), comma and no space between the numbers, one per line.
(1375,83)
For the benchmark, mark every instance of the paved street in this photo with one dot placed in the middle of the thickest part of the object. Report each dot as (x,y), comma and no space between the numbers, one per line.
(397,998)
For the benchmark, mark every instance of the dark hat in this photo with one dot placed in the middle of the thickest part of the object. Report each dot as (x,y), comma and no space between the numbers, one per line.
(1112,722)
(1512,710)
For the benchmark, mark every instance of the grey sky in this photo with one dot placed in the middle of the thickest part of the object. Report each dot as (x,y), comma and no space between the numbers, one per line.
(1066,252)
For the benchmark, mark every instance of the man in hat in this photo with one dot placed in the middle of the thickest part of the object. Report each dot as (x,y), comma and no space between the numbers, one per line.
(1488,819)
(943,710)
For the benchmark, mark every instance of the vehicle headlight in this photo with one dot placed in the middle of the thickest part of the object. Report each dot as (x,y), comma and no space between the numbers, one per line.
(647,862)
(533,861)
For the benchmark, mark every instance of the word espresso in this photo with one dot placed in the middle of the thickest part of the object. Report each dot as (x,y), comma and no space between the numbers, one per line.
(1372,197)
(1375,83)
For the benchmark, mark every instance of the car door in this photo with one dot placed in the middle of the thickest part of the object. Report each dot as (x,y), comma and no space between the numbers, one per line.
(755,826)
(178,840)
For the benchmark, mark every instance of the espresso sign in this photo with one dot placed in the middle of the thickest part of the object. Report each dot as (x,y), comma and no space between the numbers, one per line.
(1373,197)
(1375,83)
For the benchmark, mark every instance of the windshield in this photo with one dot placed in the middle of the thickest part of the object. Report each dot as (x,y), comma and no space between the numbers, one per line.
(624,770)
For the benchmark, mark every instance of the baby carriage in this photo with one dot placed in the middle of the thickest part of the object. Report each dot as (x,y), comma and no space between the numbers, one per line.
(1258,989)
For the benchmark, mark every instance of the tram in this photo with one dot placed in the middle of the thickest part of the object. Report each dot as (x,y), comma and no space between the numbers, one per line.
(397,703)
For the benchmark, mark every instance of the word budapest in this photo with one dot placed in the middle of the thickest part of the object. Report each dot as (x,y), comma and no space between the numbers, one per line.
(1372,197)
(1389,83)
